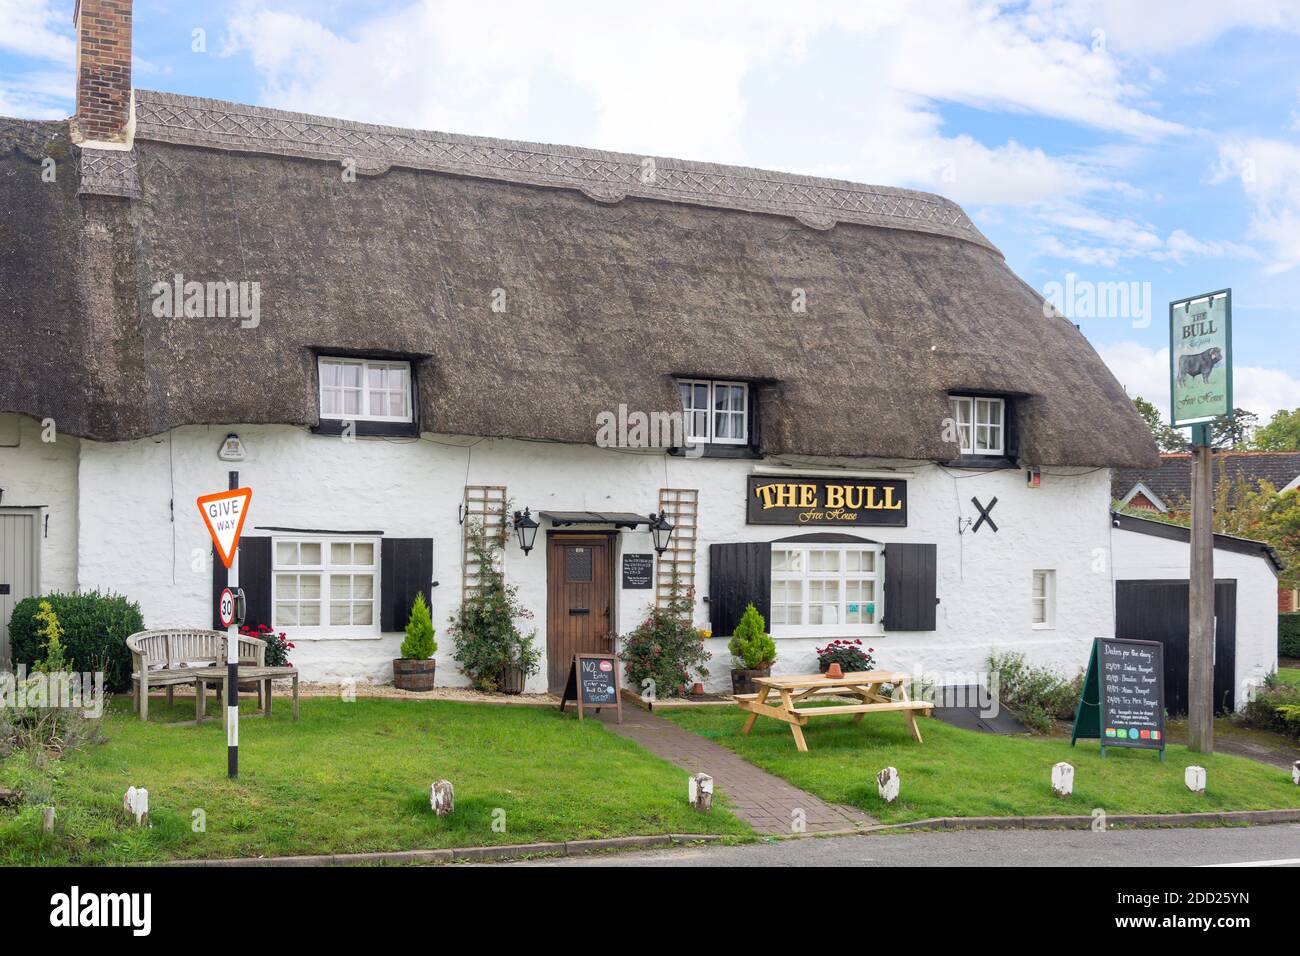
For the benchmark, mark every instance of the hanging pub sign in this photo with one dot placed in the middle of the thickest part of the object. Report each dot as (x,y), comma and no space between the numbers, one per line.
(777,499)
(1122,703)
(1200,358)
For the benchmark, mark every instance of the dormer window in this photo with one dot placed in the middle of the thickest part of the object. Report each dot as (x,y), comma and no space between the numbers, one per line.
(981,424)
(365,390)
(717,412)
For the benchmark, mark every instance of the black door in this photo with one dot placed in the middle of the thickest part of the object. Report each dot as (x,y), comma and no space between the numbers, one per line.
(1158,611)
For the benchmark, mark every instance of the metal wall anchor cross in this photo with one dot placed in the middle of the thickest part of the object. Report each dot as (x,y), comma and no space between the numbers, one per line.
(984,515)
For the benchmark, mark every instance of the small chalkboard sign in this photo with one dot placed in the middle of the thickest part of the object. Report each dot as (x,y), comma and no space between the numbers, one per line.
(1123,699)
(638,571)
(593,682)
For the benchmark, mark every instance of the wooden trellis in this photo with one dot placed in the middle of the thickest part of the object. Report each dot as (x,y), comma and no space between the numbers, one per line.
(681,507)
(485,507)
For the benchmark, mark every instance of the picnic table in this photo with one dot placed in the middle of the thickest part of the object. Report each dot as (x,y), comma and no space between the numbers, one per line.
(865,686)
(262,676)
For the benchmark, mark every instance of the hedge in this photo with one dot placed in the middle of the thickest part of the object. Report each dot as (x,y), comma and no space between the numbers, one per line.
(1288,634)
(95,627)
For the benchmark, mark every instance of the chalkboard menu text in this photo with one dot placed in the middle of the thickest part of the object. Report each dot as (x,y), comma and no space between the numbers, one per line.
(638,571)
(593,682)
(1123,699)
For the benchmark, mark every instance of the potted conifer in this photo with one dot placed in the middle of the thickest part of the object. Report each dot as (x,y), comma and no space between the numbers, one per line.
(414,670)
(753,649)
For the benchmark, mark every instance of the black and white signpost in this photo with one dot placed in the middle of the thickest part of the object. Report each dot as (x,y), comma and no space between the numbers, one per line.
(223,514)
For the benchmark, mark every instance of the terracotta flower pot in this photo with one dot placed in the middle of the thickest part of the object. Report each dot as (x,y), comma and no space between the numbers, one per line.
(697,689)
(834,671)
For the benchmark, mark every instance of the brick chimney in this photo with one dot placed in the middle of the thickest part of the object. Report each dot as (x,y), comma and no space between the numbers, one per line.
(104,114)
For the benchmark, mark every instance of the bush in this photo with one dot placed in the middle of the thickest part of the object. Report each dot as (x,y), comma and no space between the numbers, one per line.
(278,644)
(1036,694)
(1288,634)
(419,644)
(750,643)
(484,631)
(848,654)
(95,629)
(665,648)
(1269,706)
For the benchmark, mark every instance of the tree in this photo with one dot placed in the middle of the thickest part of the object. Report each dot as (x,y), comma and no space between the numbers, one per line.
(1233,431)
(1167,439)
(1282,433)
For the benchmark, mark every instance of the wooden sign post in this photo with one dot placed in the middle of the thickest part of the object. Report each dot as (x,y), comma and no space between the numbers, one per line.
(1122,703)
(593,682)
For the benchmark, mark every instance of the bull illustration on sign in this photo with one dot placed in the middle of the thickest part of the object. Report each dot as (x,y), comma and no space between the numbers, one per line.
(1201,364)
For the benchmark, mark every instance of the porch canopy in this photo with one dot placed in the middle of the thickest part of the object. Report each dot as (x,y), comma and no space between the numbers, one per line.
(619,519)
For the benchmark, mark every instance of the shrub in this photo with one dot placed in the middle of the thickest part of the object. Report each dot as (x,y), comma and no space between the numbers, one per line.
(484,628)
(1288,634)
(95,628)
(750,643)
(278,644)
(665,648)
(1268,706)
(1038,695)
(848,654)
(419,644)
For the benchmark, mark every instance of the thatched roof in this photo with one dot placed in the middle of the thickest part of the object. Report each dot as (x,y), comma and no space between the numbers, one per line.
(614,283)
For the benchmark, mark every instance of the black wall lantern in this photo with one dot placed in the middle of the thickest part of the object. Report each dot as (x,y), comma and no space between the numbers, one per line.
(662,531)
(526,528)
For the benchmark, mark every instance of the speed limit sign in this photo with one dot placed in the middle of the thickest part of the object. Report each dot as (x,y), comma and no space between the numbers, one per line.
(226,607)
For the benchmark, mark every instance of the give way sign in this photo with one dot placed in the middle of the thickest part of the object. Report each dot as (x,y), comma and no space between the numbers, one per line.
(224,514)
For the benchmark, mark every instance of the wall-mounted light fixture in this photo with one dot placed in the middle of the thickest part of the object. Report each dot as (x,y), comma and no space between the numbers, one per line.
(526,529)
(662,531)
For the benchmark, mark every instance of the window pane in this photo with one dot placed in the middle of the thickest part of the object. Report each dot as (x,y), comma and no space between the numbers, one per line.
(351,403)
(286,552)
(375,376)
(362,613)
(286,615)
(363,554)
(286,586)
(330,403)
(363,586)
(309,615)
(340,613)
(340,553)
(309,554)
(329,373)
(309,587)
(340,587)
(350,375)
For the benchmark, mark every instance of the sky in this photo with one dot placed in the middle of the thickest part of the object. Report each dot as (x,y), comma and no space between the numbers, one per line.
(1148,146)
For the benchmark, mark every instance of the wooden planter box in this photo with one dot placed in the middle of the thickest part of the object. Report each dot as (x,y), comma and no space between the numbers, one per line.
(742,681)
(512,679)
(413,674)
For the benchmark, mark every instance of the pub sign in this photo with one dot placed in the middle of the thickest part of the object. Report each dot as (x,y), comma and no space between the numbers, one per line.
(1200,358)
(777,499)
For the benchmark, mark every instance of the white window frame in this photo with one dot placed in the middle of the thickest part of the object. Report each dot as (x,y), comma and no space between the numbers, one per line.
(843,576)
(968,424)
(325,569)
(711,438)
(366,366)
(1047,599)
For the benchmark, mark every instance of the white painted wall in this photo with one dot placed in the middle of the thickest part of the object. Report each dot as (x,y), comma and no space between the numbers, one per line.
(1145,557)
(38,473)
(131,543)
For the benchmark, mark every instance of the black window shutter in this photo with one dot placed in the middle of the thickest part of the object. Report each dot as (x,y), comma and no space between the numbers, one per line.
(739,574)
(910,587)
(406,569)
(255,579)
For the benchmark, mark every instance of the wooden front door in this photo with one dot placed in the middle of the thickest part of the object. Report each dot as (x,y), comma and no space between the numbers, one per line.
(579,615)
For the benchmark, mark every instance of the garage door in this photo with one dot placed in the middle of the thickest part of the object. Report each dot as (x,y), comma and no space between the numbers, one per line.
(1158,611)
(19,569)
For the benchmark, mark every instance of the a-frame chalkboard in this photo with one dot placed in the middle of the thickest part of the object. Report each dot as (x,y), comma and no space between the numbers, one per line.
(593,682)
(1122,703)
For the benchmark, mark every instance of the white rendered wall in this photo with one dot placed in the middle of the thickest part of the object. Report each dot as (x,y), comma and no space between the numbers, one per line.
(411,488)
(1146,557)
(38,473)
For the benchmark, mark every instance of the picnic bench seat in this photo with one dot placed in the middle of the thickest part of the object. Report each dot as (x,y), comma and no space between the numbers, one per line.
(169,657)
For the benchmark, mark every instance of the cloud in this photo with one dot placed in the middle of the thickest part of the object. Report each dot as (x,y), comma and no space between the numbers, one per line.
(1268,171)
(1145,371)
(38,29)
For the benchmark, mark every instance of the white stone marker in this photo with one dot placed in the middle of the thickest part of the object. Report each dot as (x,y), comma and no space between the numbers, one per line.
(47,819)
(699,790)
(442,798)
(887,784)
(1295,773)
(1062,779)
(1194,777)
(136,803)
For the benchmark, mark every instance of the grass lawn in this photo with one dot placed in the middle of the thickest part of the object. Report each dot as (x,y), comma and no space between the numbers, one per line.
(963,773)
(1289,675)
(349,777)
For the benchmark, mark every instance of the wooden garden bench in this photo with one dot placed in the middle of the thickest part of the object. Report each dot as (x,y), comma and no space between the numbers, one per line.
(169,657)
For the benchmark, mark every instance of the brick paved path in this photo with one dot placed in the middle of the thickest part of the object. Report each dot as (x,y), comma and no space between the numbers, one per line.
(764,801)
